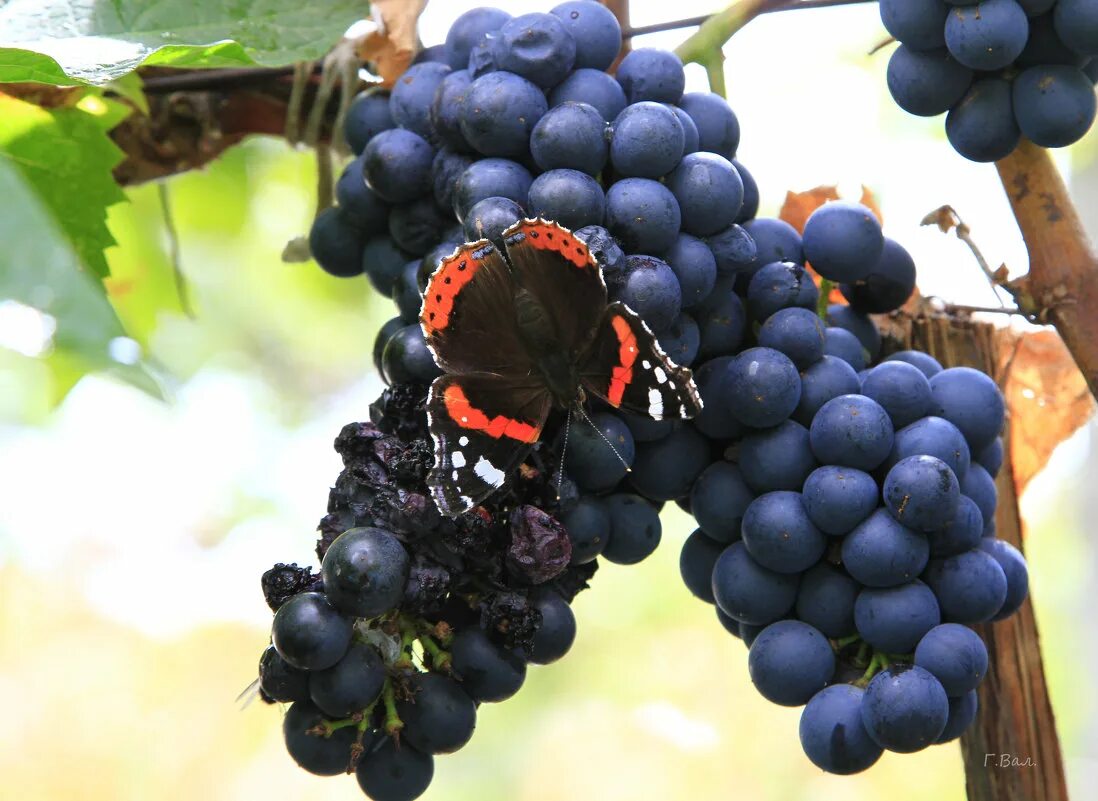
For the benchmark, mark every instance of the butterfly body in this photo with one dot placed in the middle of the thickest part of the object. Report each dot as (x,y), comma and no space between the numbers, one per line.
(519,333)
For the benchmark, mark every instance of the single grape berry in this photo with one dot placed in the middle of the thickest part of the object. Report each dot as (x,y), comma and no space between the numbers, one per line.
(486,671)
(905,709)
(832,733)
(790,662)
(438,716)
(364,572)
(394,773)
(351,684)
(320,755)
(309,633)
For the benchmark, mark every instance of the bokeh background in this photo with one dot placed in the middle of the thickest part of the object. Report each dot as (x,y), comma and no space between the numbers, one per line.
(133,533)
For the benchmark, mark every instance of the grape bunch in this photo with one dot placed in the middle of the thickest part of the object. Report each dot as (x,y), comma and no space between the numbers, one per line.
(415,619)
(1002,69)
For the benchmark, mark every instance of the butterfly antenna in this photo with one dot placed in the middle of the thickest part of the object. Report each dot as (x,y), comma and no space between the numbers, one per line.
(563,450)
(605,439)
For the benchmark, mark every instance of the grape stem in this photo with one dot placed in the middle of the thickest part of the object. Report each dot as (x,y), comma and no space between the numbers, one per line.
(824,300)
(878,663)
(440,659)
(947,219)
(393,723)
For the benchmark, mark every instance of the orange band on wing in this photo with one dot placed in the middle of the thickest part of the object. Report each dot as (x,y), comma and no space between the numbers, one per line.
(465,415)
(550,236)
(447,282)
(627,354)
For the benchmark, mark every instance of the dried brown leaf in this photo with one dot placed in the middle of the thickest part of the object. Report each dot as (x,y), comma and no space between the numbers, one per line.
(1047,398)
(944,217)
(391,48)
(798,206)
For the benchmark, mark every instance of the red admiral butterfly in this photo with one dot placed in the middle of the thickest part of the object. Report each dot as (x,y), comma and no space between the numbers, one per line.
(518,333)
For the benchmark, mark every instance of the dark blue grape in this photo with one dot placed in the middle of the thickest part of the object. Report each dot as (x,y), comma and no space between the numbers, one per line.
(588,527)
(642,214)
(432,53)
(828,378)
(536,46)
(796,332)
(406,293)
(780,285)
(689,131)
(991,457)
(557,631)
(790,662)
(919,24)
(392,773)
(650,74)
(490,178)
(1014,567)
(649,287)
(971,587)
(731,625)
(412,96)
(980,487)
(905,709)
(570,136)
(832,733)
(722,323)
(825,600)
(880,552)
(779,535)
(593,87)
(842,344)
(926,83)
(718,128)
(748,633)
(430,262)
(987,36)
(336,242)
(398,165)
(595,30)
(322,756)
(750,194)
(778,458)
(681,340)
(665,469)
(839,498)
(590,462)
(747,591)
(894,619)
(446,168)
(843,241)
(360,204)
(501,109)
(487,672)
(962,711)
(933,436)
(647,141)
(415,227)
(926,363)
(709,191)
(645,429)
(447,108)
(439,717)
(1045,46)
(718,500)
(309,633)
(765,387)
(468,29)
(699,553)
(384,334)
(901,390)
(956,656)
(775,240)
(735,251)
(351,684)
(922,492)
(367,116)
(570,197)
(1077,23)
(857,323)
(888,285)
(970,400)
(961,534)
(853,431)
(602,246)
(481,61)
(281,681)
(695,268)
(635,529)
(364,571)
(489,218)
(406,358)
(982,127)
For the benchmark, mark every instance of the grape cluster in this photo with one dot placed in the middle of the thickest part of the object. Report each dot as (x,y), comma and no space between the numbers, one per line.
(414,619)
(1002,69)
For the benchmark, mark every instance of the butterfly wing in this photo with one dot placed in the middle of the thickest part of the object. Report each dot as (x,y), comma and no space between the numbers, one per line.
(468,314)
(482,426)
(560,272)
(626,367)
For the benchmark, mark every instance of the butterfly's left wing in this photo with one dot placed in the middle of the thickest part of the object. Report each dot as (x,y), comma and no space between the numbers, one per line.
(482,426)
(626,367)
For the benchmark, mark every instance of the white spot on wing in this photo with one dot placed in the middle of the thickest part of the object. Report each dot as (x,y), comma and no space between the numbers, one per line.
(457,458)
(661,376)
(647,365)
(488,472)
(463,441)
(655,403)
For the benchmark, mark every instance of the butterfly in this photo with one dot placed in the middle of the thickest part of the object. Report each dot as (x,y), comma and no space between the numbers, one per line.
(518,333)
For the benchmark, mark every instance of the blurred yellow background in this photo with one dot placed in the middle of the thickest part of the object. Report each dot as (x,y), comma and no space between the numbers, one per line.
(133,534)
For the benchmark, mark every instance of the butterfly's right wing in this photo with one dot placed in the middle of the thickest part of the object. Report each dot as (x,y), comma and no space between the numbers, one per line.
(468,314)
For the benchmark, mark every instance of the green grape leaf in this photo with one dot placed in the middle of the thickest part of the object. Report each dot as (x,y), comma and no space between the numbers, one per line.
(94,41)
(39,268)
(66,156)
